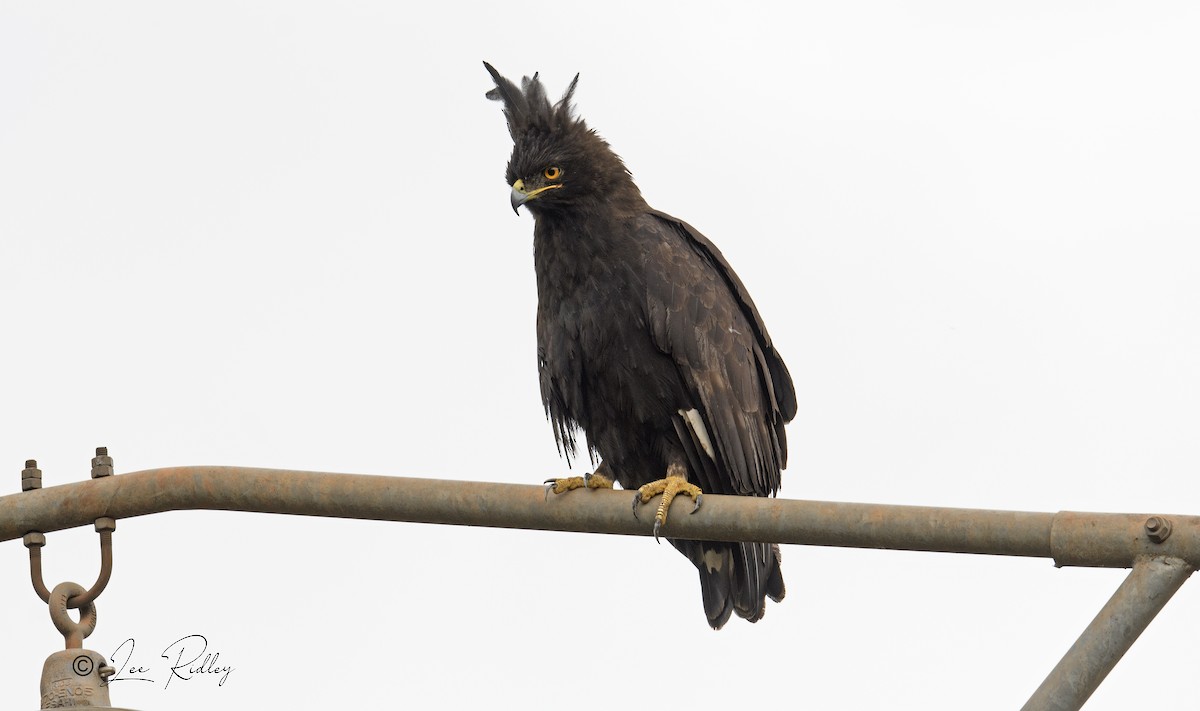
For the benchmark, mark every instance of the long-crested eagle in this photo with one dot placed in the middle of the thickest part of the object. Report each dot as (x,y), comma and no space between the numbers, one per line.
(648,342)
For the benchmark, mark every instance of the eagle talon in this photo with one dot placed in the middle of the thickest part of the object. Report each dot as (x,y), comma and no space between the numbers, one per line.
(587,481)
(670,487)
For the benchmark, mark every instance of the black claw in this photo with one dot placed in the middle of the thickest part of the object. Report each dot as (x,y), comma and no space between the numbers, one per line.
(697,506)
(637,499)
(549,487)
(657,525)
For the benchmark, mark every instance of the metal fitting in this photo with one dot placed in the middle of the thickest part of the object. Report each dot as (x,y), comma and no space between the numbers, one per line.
(31,476)
(74,632)
(1158,529)
(102,464)
(33,539)
(106,523)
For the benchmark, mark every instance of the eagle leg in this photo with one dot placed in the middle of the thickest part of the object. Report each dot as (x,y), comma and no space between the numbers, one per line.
(595,480)
(674,484)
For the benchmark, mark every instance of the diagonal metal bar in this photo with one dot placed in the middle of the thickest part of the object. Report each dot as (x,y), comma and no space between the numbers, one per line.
(1122,619)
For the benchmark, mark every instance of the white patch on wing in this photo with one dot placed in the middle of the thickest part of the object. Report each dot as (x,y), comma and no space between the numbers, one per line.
(713,560)
(697,423)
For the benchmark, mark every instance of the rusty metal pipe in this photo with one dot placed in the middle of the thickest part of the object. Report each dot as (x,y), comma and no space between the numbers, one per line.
(1115,540)
(1162,549)
(520,506)
(1122,619)
(1095,539)
(1070,541)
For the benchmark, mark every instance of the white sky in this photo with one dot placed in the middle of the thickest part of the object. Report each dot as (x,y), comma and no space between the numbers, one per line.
(277,234)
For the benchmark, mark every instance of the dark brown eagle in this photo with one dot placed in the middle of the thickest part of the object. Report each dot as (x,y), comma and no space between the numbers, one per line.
(648,342)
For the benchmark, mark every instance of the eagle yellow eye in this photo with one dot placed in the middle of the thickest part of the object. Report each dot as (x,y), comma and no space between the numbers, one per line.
(552,173)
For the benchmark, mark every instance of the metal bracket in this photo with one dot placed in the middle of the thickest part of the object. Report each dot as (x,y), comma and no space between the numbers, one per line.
(31,479)
(1147,588)
(1163,550)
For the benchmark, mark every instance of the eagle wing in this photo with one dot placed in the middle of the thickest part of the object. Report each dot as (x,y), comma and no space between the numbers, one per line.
(701,315)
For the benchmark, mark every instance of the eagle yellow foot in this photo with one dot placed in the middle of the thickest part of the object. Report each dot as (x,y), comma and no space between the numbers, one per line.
(587,481)
(670,487)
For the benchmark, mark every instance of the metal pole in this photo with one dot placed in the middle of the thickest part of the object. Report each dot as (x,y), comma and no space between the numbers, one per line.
(1110,540)
(520,506)
(1135,603)
(1163,550)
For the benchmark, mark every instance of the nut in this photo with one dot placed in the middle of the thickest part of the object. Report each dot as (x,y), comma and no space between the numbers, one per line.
(31,476)
(1158,529)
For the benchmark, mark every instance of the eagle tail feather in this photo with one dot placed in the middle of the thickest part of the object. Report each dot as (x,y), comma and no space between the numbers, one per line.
(735,578)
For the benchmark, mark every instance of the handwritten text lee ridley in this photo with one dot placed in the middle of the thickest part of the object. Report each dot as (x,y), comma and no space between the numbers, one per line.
(187,659)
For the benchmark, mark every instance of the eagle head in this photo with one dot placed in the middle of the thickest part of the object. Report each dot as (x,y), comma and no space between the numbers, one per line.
(558,164)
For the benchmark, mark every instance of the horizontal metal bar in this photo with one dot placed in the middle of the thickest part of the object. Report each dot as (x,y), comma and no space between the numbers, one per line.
(1114,630)
(1110,540)
(1116,540)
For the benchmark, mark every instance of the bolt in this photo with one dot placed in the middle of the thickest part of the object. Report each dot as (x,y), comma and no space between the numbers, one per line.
(1158,529)
(31,476)
(102,464)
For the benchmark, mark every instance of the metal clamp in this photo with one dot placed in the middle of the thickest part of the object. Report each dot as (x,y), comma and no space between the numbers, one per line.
(31,479)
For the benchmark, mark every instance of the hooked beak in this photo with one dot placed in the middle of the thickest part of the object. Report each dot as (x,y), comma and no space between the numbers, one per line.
(520,196)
